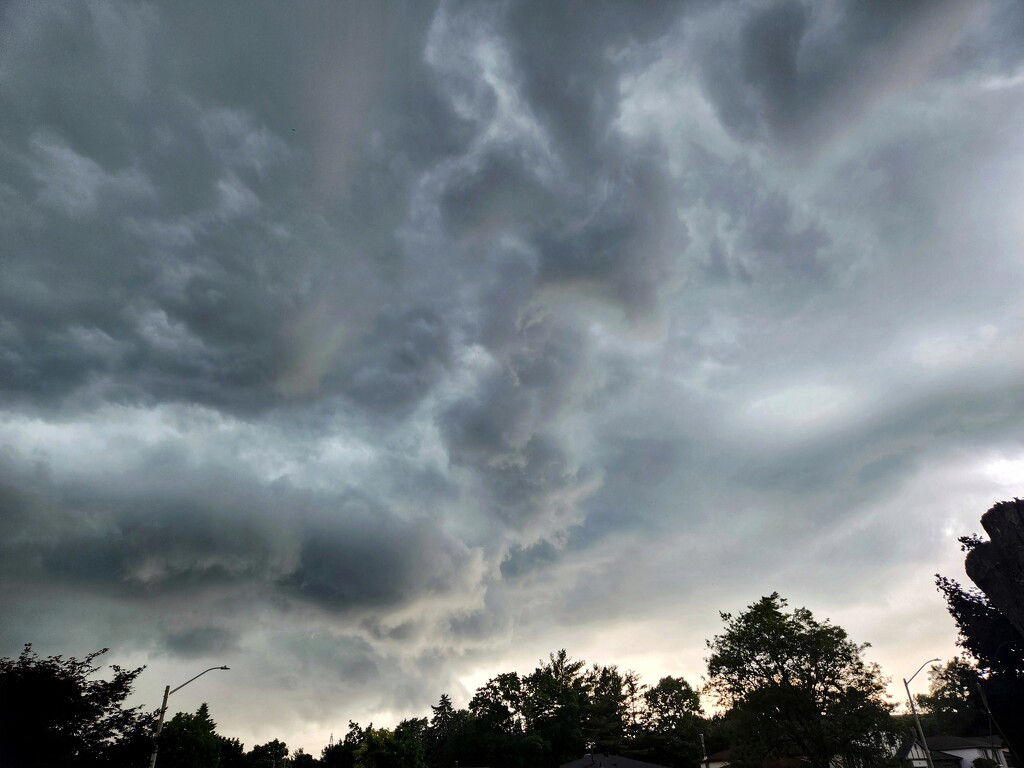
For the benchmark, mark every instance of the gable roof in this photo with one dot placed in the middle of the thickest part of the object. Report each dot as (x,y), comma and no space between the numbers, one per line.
(946,743)
(609,761)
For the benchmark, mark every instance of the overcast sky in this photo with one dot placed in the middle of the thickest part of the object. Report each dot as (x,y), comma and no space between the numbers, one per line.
(374,350)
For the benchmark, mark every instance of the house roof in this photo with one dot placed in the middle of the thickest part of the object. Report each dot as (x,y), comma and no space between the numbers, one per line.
(608,761)
(940,746)
(725,755)
(946,743)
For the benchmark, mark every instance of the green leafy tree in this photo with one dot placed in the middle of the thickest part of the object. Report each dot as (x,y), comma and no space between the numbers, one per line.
(273,754)
(54,713)
(400,748)
(190,741)
(799,687)
(343,754)
(671,724)
(302,759)
(499,704)
(952,705)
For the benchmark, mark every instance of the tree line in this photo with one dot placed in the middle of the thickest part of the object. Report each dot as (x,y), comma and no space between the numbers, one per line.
(783,683)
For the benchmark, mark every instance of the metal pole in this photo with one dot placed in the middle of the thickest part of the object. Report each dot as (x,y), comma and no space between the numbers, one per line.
(913,709)
(163,710)
(159,727)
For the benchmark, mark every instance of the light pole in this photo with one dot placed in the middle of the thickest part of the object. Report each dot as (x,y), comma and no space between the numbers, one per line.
(163,710)
(920,731)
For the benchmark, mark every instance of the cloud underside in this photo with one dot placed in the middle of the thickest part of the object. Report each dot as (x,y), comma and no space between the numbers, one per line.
(373,342)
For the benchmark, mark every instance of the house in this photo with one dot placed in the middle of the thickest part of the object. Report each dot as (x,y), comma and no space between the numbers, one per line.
(608,761)
(954,751)
(722,760)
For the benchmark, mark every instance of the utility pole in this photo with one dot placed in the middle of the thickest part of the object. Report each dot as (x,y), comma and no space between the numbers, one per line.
(163,711)
(913,709)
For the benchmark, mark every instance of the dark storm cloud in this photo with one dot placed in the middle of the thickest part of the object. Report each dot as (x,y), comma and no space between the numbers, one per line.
(172,218)
(373,559)
(792,71)
(566,56)
(163,533)
(364,342)
(144,535)
(507,430)
(202,642)
(398,361)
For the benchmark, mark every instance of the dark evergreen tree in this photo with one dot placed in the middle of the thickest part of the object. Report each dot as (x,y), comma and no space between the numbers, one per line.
(555,696)
(440,732)
(603,710)
(998,649)
(190,741)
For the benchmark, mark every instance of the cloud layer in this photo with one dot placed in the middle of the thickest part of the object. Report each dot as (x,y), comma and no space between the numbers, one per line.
(371,348)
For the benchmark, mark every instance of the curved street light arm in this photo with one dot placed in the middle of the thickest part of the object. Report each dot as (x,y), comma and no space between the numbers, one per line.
(193,678)
(911,679)
(163,711)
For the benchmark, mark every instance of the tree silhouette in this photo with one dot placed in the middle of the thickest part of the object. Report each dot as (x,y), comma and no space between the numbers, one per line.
(798,687)
(53,713)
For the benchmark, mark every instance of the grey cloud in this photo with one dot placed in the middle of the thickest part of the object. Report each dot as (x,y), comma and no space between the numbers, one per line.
(367,343)
(373,559)
(170,532)
(197,290)
(202,641)
(398,361)
(566,54)
(505,432)
(796,71)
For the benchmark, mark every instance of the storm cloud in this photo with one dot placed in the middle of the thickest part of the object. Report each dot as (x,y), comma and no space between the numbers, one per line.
(373,349)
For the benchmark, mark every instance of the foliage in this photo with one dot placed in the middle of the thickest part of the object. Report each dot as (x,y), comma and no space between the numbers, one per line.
(401,748)
(190,741)
(798,687)
(273,754)
(671,724)
(53,714)
(343,754)
(952,705)
(232,753)
(985,633)
(302,759)
(989,637)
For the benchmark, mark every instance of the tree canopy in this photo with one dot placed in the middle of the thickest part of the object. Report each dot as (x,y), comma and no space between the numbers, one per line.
(997,650)
(54,712)
(798,687)
(952,705)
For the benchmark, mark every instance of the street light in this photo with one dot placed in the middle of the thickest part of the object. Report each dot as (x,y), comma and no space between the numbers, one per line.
(920,731)
(163,710)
